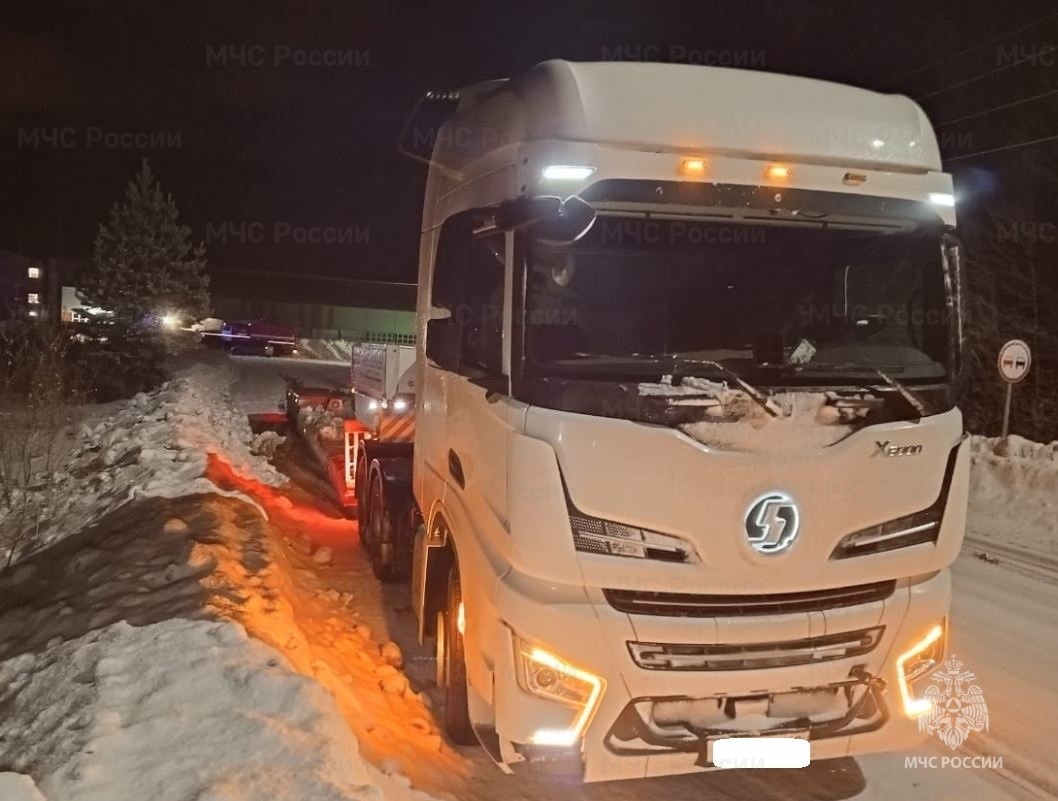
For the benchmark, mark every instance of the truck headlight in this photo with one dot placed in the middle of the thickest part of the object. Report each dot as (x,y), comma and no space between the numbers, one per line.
(542,673)
(918,661)
(902,532)
(592,535)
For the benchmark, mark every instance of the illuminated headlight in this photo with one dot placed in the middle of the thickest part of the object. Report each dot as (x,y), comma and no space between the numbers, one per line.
(916,663)
(544,674)
(400,405)
(902,532)
(591,535)
(942,199)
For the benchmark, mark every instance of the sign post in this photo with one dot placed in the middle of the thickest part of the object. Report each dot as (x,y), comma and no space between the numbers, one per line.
(1014,361)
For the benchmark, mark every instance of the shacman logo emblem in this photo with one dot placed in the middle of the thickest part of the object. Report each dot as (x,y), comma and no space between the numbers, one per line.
(772,523)
(958,706)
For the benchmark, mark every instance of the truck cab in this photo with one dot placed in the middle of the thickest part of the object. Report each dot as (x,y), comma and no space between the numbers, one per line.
(687,462)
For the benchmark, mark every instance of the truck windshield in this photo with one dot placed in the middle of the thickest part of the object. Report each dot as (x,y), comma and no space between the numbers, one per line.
(639,296)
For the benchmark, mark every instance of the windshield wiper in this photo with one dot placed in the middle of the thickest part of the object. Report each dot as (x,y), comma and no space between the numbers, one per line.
(911,398)
(679,372)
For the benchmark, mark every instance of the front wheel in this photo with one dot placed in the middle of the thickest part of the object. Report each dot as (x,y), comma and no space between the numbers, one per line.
(451,665)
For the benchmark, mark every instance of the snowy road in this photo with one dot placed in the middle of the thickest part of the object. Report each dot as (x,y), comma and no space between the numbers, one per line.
(262,381)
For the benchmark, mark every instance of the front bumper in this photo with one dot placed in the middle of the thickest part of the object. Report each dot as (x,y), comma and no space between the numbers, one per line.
(624,739)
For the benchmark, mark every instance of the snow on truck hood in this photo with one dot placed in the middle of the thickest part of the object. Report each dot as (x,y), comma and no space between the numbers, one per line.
(797,421)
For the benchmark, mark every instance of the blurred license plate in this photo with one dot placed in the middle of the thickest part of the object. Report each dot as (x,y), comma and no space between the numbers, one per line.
(786,750)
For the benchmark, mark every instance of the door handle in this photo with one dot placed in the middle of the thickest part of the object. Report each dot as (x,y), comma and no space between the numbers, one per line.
(455,469)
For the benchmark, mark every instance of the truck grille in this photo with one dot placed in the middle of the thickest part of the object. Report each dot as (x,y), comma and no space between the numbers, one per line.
(678,604)
(754,656)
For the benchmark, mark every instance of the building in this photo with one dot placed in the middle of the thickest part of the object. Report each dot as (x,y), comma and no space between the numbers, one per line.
(29,288)
(317,306)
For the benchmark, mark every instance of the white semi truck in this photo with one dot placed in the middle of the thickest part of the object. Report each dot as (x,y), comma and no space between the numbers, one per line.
(686,463)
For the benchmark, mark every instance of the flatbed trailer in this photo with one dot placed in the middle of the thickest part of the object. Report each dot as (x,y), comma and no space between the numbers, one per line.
(377,419)
(335,457)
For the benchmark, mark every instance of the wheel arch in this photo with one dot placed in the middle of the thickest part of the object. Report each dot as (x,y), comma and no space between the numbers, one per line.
(440,555)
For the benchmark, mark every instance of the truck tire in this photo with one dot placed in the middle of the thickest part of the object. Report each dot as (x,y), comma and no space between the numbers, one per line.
(360,482)
(389,561)
(452,667)
(373,503)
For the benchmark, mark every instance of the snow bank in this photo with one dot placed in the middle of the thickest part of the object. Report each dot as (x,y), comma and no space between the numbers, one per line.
(154,445)
(331,350)
(1014,492)
(176,710)
(247,681)
(16,787)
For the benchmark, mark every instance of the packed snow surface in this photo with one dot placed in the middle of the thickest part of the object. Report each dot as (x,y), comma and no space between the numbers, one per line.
(17,787)
(176,710)
(1014,493)
(154,445)
(170,638)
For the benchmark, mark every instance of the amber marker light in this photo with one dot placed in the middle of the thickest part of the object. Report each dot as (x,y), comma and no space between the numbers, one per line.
(777,172)
(915,707)
(693,168)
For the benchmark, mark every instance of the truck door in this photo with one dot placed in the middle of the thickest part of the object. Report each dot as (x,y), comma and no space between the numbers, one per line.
(478,403)
(478,413)
(464,377)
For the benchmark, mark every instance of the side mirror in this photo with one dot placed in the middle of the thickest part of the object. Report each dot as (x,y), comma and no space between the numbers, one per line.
(574,219)
(526,211)
(555,221)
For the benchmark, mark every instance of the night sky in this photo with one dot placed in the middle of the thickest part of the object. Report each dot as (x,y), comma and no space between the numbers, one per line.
(262,146)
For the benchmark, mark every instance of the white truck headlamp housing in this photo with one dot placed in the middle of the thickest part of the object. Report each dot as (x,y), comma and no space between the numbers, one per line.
(592,535)
(901,532)
(542,673)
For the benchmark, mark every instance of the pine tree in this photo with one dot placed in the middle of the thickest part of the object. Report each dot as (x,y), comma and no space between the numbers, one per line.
(144,262)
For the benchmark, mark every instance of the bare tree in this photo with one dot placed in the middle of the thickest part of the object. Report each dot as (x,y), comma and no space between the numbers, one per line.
(40,393)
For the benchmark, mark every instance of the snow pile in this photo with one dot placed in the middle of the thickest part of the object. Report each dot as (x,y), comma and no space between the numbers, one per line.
(94,708)
(185,647)
(692,391)
(175,710)
(324,424)
(784,422)
(154,445)
(266,443)
(331,350)
(1014,492)
(16,787)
